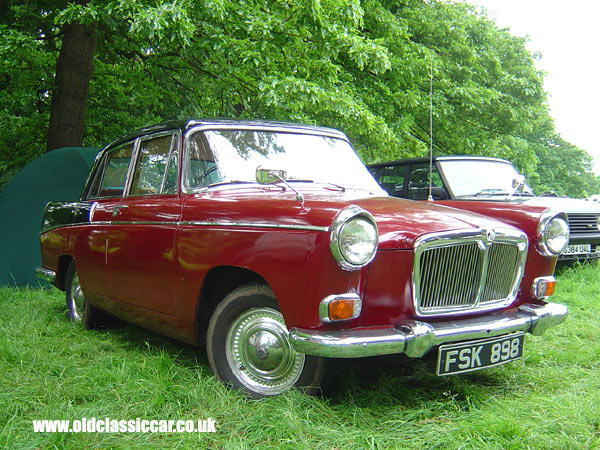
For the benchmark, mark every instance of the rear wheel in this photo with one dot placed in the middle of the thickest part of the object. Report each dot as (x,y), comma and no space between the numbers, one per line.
(248,346)
(79,310)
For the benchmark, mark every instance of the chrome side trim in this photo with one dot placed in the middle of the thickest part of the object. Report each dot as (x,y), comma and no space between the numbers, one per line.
(200,224)
(282,226)
(415,338)
(71,225)
(45,274)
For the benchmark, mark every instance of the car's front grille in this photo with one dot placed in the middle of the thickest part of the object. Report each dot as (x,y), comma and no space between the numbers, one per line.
(467,271)
(582,224)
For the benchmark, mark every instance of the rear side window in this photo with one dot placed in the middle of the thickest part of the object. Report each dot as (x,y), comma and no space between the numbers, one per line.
(110,181)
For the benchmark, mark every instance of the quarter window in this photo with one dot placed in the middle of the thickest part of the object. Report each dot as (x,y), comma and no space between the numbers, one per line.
(110,182)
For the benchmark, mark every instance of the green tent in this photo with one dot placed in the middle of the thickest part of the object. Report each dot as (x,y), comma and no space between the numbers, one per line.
(57,175)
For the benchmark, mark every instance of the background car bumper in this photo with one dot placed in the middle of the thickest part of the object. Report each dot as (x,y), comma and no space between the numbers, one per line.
(415,338)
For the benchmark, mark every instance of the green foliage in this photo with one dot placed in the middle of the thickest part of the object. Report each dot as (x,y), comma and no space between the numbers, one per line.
(564,169)
(361,66)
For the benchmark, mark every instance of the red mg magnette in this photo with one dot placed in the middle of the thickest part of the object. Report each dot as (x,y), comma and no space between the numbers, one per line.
(273,246)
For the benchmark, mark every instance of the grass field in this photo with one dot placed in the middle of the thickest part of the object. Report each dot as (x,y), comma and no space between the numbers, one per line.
(50,369)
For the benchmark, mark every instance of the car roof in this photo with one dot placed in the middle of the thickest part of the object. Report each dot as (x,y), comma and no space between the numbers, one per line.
(425,160)
(186,124)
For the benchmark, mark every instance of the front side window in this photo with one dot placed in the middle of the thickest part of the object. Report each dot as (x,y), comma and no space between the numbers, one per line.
(232,156)
(110,182)
(418,185)
(156,170)
(391,179)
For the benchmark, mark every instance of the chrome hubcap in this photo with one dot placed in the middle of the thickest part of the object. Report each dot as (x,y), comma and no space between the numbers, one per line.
(260,354)
(77,299)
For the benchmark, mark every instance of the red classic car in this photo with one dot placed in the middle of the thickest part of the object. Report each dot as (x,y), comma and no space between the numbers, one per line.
(272,245)
(466,181)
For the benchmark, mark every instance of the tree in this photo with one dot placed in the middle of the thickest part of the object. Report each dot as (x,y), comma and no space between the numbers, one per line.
(564,169)
(361,66)
(74,69)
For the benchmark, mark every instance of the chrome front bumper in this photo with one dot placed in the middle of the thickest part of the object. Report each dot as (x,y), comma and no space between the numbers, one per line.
(415,338)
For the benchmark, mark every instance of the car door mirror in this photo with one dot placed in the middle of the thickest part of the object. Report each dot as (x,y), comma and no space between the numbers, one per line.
(518,181)
(268,176)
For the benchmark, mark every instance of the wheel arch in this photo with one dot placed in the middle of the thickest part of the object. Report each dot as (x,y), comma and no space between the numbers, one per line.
(61,271)
(219,282)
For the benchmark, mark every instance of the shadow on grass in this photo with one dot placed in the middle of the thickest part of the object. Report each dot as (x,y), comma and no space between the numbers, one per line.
(366,382)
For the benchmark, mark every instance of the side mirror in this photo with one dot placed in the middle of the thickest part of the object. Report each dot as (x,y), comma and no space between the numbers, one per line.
(268,176)
(518,181)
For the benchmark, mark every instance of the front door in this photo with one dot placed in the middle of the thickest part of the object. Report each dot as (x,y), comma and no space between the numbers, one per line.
(141,239)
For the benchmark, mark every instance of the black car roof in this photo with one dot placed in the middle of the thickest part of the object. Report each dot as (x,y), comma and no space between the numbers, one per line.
(425,160)
(185,124)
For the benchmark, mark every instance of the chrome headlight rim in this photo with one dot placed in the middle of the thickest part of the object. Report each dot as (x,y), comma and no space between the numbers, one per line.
(547,217)
(344,217)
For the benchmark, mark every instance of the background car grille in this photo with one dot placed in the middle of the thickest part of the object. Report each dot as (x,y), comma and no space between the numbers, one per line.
(580,224)
(465,276)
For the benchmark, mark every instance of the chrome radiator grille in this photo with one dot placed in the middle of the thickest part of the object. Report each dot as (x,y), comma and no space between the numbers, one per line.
(467,271)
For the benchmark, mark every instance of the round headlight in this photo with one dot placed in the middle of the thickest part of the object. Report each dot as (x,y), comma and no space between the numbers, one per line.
(556,235)
(358,241)
(354,238)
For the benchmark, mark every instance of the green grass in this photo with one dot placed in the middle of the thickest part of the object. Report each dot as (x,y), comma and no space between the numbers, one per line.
(50,369)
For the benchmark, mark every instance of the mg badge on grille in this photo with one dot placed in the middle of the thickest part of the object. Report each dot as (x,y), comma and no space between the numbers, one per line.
(489,236)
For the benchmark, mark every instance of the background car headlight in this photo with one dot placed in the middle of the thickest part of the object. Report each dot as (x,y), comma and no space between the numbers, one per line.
(553,232)
(354,238)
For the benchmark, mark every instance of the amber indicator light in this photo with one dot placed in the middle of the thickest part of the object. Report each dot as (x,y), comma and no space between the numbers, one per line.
(341,309)
(549,288)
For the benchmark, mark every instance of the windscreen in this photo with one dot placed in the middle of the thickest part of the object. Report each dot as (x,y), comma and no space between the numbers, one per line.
(480,178)
(230,156)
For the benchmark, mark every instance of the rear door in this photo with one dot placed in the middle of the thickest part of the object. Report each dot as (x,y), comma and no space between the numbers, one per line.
(104,194)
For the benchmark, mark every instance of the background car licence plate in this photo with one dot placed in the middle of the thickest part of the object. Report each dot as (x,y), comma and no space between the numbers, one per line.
(578,249)
(475,355)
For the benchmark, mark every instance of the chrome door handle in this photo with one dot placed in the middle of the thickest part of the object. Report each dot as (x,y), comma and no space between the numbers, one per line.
(117,208)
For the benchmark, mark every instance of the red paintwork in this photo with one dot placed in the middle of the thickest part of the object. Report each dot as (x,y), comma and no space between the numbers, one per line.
(155,272)
(153,275)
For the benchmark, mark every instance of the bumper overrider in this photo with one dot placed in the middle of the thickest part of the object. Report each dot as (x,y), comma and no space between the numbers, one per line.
(415,338)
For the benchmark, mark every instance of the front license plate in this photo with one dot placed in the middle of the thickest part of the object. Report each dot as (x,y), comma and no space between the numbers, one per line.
(475,355)
(578,249)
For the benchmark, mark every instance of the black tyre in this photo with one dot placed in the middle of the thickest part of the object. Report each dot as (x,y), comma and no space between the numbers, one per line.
(79,310)
(248,346)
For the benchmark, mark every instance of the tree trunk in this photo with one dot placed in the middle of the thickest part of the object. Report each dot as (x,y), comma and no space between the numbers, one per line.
(74,70)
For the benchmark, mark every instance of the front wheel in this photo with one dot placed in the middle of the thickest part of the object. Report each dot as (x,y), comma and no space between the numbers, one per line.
(248,346)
